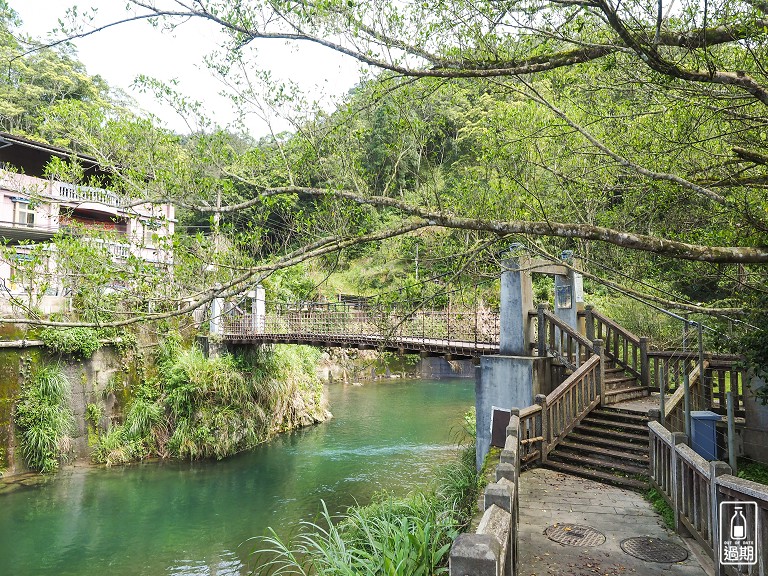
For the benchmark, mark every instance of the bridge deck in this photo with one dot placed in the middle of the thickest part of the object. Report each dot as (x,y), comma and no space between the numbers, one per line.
(408,344)
(458,333)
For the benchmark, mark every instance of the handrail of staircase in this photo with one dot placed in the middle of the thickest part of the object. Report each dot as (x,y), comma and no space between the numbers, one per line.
(628,351)
(673,410)
(545,424)
(531,433)
(614,325)
(561,340)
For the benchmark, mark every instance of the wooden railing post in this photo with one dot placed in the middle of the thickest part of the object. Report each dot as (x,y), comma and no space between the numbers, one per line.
(589,322)
(600,351)
(716,469)
(542,328)
(677,481)
(645,372)
(542,428)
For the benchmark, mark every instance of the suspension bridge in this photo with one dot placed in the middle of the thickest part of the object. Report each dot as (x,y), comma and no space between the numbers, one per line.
(465,333)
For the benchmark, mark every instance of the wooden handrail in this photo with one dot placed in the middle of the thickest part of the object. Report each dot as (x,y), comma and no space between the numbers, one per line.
(677,397)
(568,330)
(620,329)
(679,354)
(530,411)
(577,375)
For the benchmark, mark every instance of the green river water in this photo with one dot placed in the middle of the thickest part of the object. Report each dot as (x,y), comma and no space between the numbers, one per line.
(197,518)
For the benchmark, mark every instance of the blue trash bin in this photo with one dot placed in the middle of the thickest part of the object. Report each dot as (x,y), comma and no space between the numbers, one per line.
(704,433)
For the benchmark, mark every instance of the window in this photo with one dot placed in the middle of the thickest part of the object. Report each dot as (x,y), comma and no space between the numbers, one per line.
(25,214)
(20,266)
(151,229)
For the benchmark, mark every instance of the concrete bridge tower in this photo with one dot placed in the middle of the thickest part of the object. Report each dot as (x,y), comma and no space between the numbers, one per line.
(514,377)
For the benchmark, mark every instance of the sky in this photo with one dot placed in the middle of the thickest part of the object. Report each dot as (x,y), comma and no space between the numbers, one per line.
(121,53)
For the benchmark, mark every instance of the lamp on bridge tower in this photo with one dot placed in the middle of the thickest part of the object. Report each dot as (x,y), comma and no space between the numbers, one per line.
(569,293)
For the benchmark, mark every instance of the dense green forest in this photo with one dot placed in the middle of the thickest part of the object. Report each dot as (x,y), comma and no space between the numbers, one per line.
(631,136)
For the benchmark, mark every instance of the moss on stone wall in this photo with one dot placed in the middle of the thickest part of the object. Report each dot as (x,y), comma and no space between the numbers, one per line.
(103,380)
(10,364)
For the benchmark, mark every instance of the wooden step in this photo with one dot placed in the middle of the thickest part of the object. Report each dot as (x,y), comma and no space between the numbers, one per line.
(620,415)
(606,422)
(592,461)
(617,380)
(606,452)
(614,370)
(613,396)
(620,435)
(608,443)
(604,477)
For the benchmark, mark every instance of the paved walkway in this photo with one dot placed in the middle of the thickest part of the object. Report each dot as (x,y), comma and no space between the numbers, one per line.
(548,498)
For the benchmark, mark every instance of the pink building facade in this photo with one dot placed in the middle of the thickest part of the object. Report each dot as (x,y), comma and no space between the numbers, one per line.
(33,209)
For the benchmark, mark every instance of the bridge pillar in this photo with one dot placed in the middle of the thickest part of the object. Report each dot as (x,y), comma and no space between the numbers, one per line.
(217,310)
(514,377)
(259,310)
(505,382)
(515,331)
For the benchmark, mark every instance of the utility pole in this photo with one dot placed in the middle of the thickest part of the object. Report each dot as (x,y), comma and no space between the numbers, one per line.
(417,262)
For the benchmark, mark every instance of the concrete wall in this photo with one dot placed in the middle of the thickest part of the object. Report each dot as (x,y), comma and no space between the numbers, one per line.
(439,367)
(100,380)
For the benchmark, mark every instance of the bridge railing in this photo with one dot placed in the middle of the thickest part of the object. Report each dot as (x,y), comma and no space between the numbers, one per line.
(544,424)
(465,326)
(723,373)
(621,346)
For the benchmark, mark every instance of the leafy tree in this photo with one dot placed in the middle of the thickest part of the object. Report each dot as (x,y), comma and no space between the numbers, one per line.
(36,77)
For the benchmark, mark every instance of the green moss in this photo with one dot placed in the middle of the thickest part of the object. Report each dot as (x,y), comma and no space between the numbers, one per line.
(661,507)
(17,332)
(754,471)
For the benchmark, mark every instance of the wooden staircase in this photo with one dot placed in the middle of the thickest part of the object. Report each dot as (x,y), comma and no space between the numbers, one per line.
(609,445)
(620,385)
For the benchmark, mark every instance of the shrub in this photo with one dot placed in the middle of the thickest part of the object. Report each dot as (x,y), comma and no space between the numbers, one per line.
(200,407)
(81,342)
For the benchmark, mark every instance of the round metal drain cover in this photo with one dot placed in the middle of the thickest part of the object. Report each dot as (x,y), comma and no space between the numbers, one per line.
(574,535)
(654,549)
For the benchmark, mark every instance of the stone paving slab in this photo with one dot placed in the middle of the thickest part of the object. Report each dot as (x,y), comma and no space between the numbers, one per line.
(548,497)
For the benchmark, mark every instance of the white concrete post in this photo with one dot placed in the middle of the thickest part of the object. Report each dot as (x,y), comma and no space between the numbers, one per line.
(217,309)
(515,328)
(259,310)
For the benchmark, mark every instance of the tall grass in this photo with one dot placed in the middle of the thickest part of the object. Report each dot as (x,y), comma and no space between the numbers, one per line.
(44,418)
(408,536)
(200,407)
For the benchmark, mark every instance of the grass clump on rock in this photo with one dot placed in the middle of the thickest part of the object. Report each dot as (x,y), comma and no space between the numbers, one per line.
(200,407)
(44,418)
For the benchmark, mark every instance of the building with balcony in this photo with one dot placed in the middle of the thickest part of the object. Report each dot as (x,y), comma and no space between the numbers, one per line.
(34,208)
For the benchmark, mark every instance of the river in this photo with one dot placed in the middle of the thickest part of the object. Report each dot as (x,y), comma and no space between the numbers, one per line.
(197,518)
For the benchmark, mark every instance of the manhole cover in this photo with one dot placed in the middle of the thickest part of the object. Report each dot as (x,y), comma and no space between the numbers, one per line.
(574,535)
(654,549)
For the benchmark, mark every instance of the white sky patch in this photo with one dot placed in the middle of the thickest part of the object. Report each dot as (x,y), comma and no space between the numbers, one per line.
(122,53)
